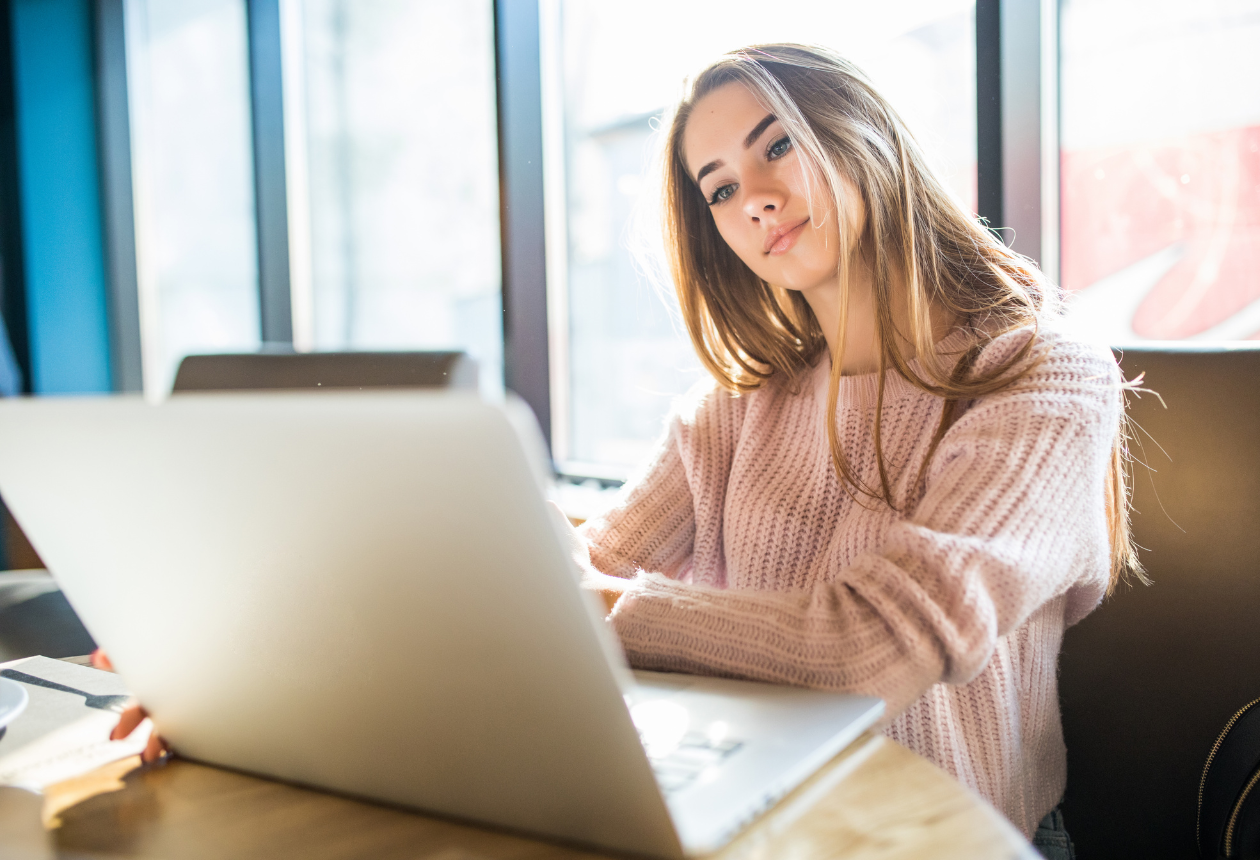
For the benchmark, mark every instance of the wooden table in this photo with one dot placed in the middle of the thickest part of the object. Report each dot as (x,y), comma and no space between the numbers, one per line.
(874,800)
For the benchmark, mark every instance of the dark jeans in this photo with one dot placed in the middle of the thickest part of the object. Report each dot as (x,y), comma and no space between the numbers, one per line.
(1052,839)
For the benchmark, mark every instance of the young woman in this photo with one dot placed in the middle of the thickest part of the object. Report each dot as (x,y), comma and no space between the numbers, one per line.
(901,482)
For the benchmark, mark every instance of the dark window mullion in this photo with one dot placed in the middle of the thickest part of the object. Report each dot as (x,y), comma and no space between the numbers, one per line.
(518,82)
(989,111)
(1016,124)
(12,265)
(266,89)
(118,211)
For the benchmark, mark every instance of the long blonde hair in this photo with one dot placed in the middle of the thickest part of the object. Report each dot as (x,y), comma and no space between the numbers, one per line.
(918,237)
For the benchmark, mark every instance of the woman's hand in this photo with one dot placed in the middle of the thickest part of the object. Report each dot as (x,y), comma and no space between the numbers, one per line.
(132,716)
(610,588)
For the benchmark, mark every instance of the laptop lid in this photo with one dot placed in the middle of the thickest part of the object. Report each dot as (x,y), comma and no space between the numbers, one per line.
(361,592)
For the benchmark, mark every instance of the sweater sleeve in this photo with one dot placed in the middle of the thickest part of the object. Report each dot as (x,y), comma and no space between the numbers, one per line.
(1012,513)
(652,526)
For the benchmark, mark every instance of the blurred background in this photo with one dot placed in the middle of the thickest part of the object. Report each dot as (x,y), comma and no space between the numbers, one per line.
(191,176)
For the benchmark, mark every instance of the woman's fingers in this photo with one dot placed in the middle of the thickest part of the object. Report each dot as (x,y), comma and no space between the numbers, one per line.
(577,547)
(609,588)
(100,660)
(154,750)
(132,716)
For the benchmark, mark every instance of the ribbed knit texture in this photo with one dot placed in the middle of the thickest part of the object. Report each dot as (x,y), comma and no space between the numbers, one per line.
(750,560)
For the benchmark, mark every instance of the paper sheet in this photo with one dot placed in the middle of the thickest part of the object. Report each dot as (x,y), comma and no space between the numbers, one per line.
(58,736)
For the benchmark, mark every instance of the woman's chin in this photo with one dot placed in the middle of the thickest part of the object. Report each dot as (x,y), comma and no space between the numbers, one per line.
(807,283)
(804,273)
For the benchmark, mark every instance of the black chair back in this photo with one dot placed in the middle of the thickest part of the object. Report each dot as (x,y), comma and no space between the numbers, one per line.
(1149,679)
(325,371)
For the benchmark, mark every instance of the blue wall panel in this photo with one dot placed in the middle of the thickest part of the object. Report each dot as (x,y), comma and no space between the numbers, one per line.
(10,374)
(60,196)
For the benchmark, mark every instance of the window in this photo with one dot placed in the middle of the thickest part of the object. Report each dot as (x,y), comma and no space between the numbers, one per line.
(1161,168)
(393,202)
(619,352)
(192,168)
(392,171)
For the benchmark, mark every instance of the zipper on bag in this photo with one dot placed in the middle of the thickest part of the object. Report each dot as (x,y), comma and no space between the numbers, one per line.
(1220,739)
(1233,817)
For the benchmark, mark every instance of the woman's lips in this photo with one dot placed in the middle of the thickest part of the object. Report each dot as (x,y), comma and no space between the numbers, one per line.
(782,240)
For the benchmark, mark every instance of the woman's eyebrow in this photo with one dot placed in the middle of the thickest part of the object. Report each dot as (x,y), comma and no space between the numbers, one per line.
(758,129)
(748,142)
(707,169)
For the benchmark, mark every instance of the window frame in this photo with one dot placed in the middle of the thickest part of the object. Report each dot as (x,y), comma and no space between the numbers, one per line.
(1017,163)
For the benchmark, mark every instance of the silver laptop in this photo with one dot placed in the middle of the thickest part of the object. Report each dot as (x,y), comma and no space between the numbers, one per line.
(367,593)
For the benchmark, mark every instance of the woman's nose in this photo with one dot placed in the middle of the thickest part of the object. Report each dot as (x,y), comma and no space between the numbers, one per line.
(764,200)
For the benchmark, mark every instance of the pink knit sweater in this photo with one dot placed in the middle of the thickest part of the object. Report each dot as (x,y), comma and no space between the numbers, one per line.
(750,560)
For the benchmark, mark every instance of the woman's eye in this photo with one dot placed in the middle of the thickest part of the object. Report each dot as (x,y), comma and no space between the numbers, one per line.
(779,148)
(721,193)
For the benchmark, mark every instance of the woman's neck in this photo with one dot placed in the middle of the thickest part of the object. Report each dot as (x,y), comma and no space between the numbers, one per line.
(861,342)
(861,345)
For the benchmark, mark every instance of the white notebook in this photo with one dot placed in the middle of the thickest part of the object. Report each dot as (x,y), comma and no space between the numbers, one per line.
(64,730)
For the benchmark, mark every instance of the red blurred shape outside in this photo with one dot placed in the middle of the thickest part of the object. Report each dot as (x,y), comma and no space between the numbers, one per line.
(1123,204)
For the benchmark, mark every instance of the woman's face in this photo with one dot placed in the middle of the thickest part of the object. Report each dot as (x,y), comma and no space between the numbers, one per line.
(753,179)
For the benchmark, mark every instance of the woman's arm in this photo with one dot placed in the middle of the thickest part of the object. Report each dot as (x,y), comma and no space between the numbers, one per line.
(1012,517)
(653,524)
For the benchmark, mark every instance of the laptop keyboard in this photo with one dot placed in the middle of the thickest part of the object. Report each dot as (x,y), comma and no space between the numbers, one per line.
(678,768)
